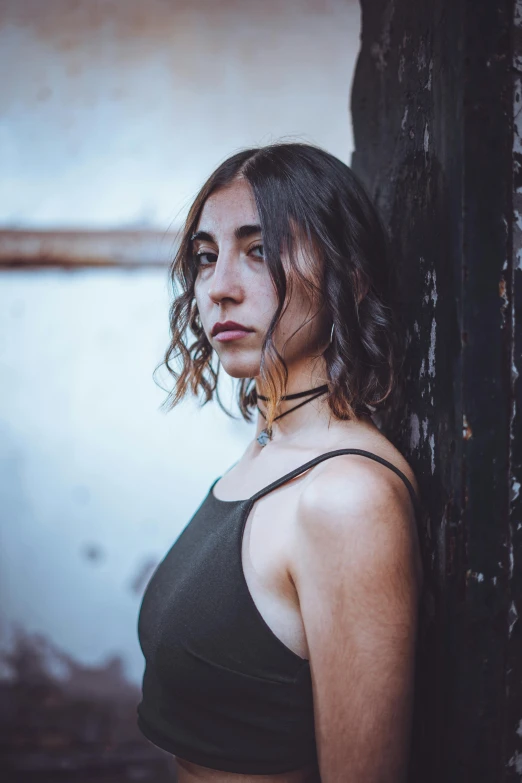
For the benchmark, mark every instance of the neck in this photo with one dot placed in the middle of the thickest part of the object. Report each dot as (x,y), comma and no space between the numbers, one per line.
(305,422)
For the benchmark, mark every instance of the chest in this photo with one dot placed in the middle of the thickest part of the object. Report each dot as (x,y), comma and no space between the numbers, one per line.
(223,589)
(220,688)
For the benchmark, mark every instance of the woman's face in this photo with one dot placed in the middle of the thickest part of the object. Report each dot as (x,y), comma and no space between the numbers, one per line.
(233,284)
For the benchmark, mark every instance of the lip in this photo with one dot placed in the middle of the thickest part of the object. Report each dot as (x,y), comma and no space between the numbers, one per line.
(231,334)
(229,326)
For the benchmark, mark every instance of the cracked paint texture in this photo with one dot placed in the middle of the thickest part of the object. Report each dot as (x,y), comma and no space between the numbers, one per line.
(437,118)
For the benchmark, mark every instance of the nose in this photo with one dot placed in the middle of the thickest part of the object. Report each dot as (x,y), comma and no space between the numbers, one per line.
(225,281)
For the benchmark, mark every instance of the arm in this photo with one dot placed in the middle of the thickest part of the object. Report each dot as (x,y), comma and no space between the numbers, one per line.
(354,569)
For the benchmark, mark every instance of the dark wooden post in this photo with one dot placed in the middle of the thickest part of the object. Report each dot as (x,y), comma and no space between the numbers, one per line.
(437,117)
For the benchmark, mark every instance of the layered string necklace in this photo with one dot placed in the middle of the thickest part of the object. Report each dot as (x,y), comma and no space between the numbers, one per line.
(265,435)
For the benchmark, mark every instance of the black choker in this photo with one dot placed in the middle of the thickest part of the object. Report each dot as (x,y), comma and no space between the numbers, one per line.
(297,394)
(265,435)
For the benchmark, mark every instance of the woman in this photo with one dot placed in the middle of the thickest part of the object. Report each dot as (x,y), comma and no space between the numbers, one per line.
(279,631)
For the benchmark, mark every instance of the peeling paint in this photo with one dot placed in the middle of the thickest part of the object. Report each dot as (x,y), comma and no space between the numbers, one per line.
(434,295)
(516,761)
(428,83)
(502,292)
(460,365)
(518,13)
(512,617)
(432,449)
(381,48)
(414,431)
(431,349)
(517,134)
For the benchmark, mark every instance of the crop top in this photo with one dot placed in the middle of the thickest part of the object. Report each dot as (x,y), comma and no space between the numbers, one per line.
(220,689)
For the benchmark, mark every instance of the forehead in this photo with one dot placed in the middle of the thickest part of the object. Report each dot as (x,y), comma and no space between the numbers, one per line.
(228,207)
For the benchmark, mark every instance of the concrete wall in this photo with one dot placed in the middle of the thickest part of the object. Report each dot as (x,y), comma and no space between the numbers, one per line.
(112,116)
(115,112)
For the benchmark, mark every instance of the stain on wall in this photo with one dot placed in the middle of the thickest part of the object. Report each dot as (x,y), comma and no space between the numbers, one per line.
(61,721)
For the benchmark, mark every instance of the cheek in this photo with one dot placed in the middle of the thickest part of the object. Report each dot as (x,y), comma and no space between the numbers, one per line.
(301,312)
(263,296)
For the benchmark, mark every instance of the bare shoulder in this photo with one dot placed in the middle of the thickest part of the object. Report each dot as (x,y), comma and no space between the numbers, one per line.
(351,477)
(353,502)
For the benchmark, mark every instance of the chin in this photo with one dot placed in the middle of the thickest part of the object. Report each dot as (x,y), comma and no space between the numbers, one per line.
(237,367)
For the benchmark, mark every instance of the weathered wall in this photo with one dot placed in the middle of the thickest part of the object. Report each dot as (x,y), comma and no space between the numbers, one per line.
(435,98)
(115,111)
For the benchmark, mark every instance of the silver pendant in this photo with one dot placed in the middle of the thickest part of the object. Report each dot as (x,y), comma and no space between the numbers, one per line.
(263,438)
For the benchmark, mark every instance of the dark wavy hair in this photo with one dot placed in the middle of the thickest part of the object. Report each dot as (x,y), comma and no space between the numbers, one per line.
(301,191)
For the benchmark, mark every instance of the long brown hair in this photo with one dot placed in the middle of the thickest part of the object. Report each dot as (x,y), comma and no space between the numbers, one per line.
(300,189)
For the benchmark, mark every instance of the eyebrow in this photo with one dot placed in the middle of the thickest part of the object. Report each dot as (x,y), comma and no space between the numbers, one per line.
(241,232)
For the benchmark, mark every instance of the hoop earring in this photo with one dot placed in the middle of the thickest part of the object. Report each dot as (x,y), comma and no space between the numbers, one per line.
(331,335)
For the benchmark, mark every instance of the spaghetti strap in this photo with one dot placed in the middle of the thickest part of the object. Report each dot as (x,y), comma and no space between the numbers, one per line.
(302,468)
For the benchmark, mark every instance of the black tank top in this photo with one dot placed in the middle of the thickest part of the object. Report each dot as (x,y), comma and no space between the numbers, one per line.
(220,689)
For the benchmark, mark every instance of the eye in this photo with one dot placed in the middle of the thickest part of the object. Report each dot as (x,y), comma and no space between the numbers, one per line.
(260,248)
(203,254)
